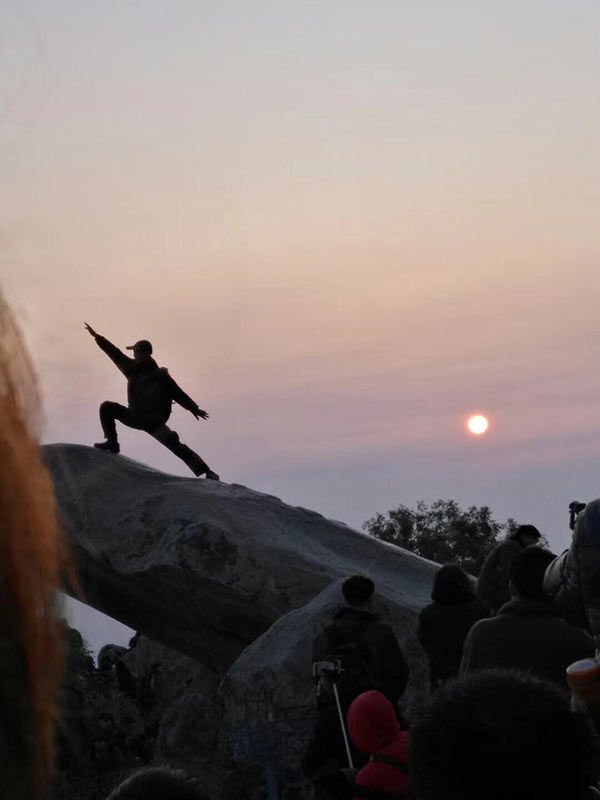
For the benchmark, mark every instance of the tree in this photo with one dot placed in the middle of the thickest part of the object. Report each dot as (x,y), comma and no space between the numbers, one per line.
(442,532)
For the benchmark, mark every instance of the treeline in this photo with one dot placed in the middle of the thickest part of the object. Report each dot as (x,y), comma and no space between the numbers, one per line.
(443,532)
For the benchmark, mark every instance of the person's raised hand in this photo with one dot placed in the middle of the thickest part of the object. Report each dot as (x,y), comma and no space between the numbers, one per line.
(90,330)
(200,413)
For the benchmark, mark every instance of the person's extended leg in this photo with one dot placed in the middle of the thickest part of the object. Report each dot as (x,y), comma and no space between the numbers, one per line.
(171,441)
(109,413)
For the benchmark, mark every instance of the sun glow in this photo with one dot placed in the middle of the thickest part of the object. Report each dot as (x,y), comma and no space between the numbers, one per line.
(477,424)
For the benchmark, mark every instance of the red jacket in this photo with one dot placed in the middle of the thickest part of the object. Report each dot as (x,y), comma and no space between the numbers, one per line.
(374,729)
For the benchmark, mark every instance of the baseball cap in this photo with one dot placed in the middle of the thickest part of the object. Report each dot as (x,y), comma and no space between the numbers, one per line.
(142,344)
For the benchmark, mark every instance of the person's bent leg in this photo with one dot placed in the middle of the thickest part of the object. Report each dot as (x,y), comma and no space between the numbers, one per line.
(171,441)
(109,413)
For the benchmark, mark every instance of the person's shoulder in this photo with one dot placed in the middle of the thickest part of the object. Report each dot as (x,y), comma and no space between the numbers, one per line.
(327,633)
(485,626)
(496,551)
(506,545)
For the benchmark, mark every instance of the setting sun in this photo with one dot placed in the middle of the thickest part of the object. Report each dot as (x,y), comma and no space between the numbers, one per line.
(477,424)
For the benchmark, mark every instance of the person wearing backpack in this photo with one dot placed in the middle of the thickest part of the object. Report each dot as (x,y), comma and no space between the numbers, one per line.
(374,642)
(369,657)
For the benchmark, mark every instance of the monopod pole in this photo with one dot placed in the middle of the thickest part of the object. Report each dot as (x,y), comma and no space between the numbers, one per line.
(343,724)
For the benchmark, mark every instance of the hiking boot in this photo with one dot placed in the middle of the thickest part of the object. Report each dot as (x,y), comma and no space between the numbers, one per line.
(212,476)
(109,444)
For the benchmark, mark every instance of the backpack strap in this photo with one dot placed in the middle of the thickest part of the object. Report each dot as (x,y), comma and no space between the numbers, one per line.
(337,638)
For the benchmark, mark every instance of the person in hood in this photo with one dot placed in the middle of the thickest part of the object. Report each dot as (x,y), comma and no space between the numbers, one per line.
(527,634)
(375,640)
(374,729)
(444,624)
(492,584)
(151,391)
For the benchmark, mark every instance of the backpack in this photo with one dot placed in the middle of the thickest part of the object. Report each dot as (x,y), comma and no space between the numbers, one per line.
(355,676)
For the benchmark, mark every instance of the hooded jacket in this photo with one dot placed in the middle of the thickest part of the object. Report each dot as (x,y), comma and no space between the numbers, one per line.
(442,630)
(374,729)
(150,389)
(528,635)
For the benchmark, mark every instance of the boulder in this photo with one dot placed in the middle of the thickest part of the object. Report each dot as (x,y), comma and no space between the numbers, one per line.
(206,567)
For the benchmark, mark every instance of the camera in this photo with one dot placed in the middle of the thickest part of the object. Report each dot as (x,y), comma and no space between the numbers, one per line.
(327,669)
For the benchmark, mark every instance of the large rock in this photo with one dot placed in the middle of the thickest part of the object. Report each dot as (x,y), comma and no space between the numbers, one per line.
(205,567)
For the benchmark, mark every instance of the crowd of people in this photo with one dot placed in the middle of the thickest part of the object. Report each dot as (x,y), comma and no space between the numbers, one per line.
(514,700)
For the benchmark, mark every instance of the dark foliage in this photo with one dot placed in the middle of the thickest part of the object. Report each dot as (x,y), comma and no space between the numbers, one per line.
(442,532)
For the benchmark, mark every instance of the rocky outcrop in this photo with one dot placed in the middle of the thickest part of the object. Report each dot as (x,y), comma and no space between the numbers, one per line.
(206,567)
(229,587)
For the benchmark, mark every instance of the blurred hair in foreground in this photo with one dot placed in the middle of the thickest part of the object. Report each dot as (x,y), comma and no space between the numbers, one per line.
(33,558)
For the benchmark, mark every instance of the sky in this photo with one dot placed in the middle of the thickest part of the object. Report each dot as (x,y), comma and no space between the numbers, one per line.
(344,227)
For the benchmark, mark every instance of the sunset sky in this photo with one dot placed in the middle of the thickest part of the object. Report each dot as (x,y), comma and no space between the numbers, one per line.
(343,225)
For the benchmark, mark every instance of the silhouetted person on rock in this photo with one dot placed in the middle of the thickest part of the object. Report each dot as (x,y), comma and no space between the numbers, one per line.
(150,393)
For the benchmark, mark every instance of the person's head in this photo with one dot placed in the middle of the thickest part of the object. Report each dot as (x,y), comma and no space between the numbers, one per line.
(372,721)
(452,586)
(500,734)
(526,573)
(33,556)
(142,351)
(157,783)
(527,535)
(358,591)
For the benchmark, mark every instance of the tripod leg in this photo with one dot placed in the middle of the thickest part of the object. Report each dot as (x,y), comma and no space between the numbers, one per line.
(343,724)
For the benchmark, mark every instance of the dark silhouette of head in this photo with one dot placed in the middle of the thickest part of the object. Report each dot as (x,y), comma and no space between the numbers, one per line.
(452,586)
(142,351)
(157,783)
(33,556)
(358,591)
(527,535)
(500,734)
(526,573)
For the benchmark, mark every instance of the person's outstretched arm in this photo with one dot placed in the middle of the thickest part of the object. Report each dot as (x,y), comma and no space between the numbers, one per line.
(185,401)
(123,362)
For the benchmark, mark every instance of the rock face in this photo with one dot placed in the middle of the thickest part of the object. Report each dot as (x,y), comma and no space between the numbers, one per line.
(205,567)
(238,583)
